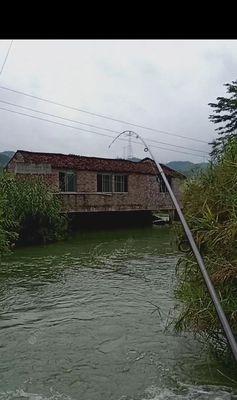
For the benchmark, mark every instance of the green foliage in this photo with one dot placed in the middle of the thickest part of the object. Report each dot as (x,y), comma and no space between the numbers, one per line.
(225,113)
(29,212)
(7,226)
(210,207)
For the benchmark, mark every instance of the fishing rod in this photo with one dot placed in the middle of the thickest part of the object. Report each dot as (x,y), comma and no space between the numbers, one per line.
(220,312)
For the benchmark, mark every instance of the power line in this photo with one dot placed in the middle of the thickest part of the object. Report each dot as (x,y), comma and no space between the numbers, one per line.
(101,115)
(94,126)
(90,131)
(54,122)
(86,130)
(9,48)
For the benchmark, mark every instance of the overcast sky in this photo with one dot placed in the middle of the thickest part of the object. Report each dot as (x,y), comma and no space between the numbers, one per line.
(161,84)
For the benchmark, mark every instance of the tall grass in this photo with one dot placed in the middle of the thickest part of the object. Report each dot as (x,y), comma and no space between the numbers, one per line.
(8,234)
(29,212)
(210,207)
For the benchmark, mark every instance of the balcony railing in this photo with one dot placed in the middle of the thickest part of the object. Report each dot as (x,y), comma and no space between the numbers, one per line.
(94,201)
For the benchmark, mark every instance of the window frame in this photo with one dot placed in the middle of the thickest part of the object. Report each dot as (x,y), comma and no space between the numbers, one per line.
(102,183)
(66,183)
(124,183)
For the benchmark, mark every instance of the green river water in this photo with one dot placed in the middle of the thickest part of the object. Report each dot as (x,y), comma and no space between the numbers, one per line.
(85,319)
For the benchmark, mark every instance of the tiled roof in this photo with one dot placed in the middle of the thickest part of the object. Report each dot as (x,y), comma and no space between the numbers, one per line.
(71,161)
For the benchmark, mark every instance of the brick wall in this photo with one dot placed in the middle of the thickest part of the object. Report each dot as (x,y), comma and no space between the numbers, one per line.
(143,192)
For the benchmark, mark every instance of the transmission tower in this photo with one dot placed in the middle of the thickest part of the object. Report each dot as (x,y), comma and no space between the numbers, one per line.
(130,152)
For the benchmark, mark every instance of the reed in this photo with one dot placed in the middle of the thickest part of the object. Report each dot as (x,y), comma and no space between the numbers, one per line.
(210,207)
(29,212)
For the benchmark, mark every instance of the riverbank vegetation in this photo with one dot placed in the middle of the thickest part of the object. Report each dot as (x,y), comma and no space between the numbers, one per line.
(210,207)
(29,213)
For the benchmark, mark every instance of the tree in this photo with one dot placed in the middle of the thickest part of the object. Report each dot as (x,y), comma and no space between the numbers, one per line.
(225,113)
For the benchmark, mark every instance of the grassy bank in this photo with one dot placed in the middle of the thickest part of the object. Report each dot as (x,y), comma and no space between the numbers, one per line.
(210,207)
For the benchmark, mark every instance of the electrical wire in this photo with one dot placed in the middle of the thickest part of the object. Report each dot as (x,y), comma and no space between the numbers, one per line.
(4,62)
(86,130)
(100,115)
(94,126)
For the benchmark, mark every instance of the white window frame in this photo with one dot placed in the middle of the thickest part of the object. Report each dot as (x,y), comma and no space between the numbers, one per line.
(122,183)
(112,184)
(103,183)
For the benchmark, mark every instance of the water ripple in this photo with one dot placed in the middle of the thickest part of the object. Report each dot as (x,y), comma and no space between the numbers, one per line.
(87,318)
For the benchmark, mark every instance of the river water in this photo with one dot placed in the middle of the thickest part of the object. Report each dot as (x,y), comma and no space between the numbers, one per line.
(86,319)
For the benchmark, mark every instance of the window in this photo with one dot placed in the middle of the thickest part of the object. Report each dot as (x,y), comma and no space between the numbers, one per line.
(120,183)
(104,183)
(67,181)
(112,183)
(163,188)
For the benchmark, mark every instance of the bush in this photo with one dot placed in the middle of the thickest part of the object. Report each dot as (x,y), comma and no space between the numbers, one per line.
(210,208)
(29,212)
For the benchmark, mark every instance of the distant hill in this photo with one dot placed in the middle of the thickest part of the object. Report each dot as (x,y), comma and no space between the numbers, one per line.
(8,153)
(134,159)
(187,167)
(5,157)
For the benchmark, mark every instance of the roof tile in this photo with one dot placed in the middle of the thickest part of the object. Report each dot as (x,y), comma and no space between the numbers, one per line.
(71,161)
